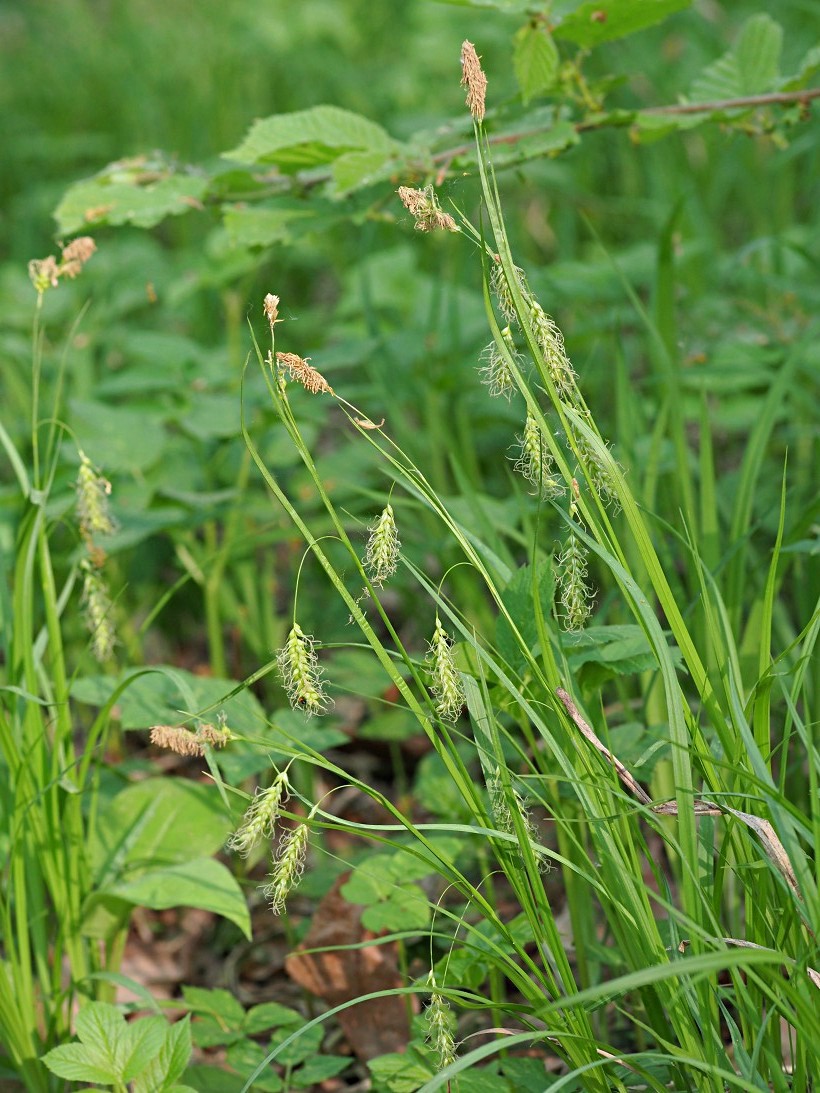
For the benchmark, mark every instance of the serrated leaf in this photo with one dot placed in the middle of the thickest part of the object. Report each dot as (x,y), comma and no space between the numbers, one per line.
(159,821)
(399,1074)
(204,883)
(141,1043)
(758,50)
(117,438)
(261,227)
(309,138)
(318,1069)
(72,1062)
(104,200)
(750,67)
(535,60)
(303,1047)
(355,170)
(269,1015)
(597,21)
(169,1065)
(166,694)
(217,1003)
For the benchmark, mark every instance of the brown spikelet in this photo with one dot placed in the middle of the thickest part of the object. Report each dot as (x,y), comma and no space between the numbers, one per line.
(216,737)
(473,78)
(177,739)
(298,369)
(423,206)
(270,305)
(76,254)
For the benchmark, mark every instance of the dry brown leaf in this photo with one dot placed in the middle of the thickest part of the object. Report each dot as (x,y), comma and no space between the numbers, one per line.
(634,787)
(372,1028)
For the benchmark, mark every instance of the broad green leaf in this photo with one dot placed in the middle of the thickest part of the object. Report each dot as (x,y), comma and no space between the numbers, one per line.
(141,1043)
(270,1015)
(355,170)
(399,1073)
(169,1065)
(758,50)
(204,883)
(117,438)
(157,821)
(142,196)
(212,1079)
(406,908)
(309,138)
(257,226)
(597,21)
(535,60)
(72,1062)
(218,1003)
(303,1047)
(245,1057)
(750,67)
(517,597)
(317,1070)
(166,696)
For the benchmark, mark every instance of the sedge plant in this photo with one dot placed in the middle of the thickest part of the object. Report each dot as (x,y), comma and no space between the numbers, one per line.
(687,957)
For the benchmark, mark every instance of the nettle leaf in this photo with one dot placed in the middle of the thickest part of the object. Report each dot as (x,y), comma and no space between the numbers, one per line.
(400,1073)
(305,1046)
(116,437)
(310,138)
(750,67)
(607,651)
(110,1050)
(318,1070)
(245,1057)
(166,695)
(164,821)
(162,1073)
(202,883)
(249,226)
(535,60)
(219,1004)
(518,600)
(140,191)
(597,21)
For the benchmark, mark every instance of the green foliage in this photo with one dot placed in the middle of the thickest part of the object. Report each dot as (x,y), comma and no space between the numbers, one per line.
(663,934)
(145,1055)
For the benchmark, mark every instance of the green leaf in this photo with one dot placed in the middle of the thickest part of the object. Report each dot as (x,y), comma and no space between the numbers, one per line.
(309,138)
(143,195)
(156,821)
(219,1004)
(110,1051)
(255,226)
(73,1062)
(167,695)
(169,1065)
(303,1047)
(318,1069)
(517,597)
(399,1073)
(205,883)
(535,60)
(270,1015)
(355,170)
(406,908)
(597,21)
(245,1057)
(212,1079)
(117,438)
(750,67)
